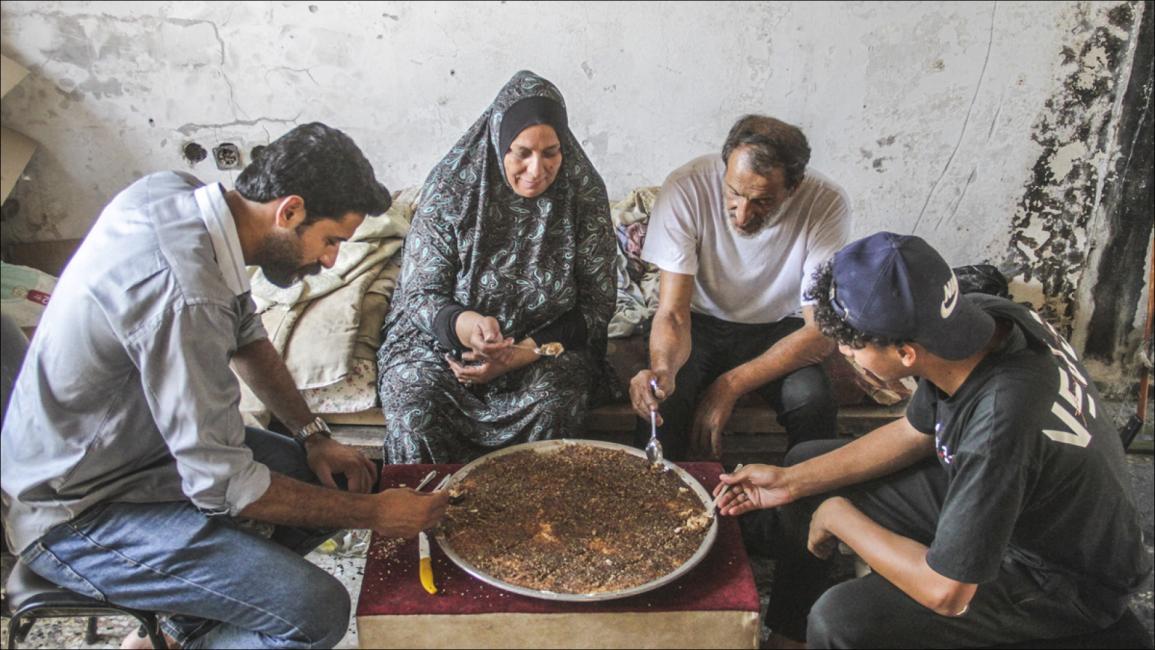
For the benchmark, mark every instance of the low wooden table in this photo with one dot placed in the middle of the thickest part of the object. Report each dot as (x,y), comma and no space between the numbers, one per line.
(715,605)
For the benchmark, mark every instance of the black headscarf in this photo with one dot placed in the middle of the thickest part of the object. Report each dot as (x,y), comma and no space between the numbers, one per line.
(528,112)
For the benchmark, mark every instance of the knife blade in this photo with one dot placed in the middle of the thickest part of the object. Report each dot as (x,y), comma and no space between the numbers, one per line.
(426,569)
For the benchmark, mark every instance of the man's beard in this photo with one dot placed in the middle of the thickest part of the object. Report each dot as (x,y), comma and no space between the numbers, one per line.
(757,225)
(751,229)
(281,261)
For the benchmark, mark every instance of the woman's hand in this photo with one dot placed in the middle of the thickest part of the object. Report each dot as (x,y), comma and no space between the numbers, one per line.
(480,369)
(481,334)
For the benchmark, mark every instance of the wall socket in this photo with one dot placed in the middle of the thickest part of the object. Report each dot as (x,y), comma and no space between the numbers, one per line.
(227,156)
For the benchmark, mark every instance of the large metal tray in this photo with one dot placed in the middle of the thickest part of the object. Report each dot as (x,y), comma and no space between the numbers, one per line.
(550,446)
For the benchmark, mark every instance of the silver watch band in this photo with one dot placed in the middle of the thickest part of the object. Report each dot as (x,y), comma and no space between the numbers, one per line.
(318,425)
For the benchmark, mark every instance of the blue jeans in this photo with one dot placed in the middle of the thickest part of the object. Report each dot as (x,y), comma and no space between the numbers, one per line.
(224,586)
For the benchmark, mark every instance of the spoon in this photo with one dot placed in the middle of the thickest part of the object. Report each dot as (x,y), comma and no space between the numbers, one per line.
(718,499)
(654,446)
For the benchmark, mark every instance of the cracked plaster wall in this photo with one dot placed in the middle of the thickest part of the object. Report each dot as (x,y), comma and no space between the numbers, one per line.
(984,127)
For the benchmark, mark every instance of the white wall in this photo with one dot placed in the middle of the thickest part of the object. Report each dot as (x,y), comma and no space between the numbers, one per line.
(924,112)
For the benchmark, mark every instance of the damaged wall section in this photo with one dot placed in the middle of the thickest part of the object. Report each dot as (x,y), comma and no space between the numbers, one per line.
(1049,231)
(1117,300)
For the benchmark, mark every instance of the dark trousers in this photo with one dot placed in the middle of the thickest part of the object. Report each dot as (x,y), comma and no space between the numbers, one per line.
(870,612)
(802,399)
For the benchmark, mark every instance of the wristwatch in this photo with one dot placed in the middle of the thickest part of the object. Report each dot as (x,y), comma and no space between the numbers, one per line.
(316,426)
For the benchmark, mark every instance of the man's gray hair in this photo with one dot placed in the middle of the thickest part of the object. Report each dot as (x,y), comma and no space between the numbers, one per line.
(770,143)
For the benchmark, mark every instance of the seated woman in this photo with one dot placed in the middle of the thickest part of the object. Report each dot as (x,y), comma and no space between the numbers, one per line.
(511,248)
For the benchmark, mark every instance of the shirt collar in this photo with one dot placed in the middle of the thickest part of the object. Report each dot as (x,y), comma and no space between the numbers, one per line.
(214,211)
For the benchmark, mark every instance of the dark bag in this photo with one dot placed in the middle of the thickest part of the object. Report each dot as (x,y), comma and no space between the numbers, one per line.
(982,278)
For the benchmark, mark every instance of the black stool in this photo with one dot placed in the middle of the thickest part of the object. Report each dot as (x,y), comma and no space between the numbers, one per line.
(31,597)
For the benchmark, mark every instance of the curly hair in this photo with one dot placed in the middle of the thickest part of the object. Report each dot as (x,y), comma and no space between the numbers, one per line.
(771,143)
(830,323)
(323,166)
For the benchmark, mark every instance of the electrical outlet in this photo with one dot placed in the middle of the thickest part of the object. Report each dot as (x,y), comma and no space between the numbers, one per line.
(227,156)
(193,153)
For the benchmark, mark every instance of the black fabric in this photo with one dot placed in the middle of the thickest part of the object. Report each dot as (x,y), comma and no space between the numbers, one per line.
(870,612)
(569,329)
(982,278)
(1128,632)
(445,327)
(907,502)
(1028,421)
(803,400)
(528,112)
(1027,497)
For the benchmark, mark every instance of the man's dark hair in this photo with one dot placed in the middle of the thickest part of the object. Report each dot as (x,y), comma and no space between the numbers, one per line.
(321,165)
(771,143)
(830,323)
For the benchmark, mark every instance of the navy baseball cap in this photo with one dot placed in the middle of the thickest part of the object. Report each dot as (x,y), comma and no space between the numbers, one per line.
(898,287)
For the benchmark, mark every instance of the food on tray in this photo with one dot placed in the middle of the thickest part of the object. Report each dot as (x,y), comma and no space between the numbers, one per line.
(578,520)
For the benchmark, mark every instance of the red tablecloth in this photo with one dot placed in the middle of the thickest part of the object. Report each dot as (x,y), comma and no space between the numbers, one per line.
(722,581)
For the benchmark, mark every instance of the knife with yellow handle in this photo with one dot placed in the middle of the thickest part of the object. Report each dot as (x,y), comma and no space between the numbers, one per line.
(425,570)
(426,563)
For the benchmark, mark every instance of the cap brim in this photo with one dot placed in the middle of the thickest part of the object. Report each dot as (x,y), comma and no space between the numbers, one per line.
(966,332)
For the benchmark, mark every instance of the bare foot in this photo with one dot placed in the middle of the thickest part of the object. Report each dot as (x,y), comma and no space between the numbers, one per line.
(137,640)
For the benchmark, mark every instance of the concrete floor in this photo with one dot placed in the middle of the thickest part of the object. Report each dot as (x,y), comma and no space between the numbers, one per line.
(349,568)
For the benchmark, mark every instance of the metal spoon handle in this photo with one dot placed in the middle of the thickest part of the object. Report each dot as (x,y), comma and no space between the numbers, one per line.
(425,481)
(726,489)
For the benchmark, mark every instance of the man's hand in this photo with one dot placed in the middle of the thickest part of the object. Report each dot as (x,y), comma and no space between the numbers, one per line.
(644,398)
(403,512)
(821,540)
(710,418)
(327,457)
(754,487)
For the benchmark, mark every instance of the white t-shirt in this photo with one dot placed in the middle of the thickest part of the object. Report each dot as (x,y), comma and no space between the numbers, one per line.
(739,278)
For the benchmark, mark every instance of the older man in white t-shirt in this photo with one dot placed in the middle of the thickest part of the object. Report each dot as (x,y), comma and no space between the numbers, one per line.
(737,239)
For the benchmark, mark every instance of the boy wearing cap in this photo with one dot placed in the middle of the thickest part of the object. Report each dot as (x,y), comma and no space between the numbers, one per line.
(995,511)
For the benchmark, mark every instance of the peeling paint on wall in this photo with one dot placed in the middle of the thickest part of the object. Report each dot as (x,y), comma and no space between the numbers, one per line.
(1112,297)
(943,119)
(1049,236)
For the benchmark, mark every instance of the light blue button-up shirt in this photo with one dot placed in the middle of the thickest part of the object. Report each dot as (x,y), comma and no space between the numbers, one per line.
(126,393)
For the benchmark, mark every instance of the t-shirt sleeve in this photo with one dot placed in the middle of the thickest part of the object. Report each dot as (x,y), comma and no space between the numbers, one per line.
(986,494)
(920,411)
(672,234)
(183,359)
(830,233)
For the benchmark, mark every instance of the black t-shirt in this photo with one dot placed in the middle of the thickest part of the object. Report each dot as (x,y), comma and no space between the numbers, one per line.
(1035,466)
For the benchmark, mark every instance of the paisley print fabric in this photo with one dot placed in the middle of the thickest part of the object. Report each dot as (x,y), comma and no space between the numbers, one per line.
(525,262)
